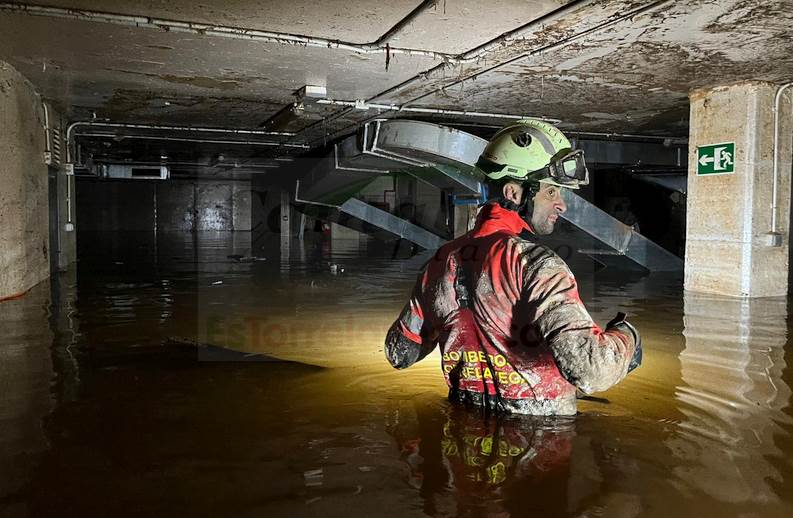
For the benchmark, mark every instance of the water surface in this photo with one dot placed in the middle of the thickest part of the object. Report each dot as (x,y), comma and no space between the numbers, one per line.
(105,412)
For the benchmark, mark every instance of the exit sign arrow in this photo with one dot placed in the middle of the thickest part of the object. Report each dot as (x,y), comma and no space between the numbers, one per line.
(716,159)
(706,160)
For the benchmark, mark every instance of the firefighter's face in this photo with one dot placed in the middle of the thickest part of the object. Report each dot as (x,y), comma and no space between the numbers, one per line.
(548,205)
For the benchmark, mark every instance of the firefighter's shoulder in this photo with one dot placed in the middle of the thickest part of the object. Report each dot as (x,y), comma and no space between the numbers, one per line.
(537,256)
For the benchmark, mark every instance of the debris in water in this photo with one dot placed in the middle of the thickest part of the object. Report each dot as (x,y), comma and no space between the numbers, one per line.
(313,477)
(216,283)
(246,258)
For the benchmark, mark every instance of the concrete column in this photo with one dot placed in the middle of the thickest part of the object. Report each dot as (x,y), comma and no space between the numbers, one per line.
(241,201)
(728,248)
(286,224)
(24,187)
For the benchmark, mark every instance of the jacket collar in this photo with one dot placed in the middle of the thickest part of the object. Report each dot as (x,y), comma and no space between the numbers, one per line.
(494,218)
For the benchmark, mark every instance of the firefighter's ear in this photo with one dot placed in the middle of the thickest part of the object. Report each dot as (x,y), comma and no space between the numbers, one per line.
(512,191)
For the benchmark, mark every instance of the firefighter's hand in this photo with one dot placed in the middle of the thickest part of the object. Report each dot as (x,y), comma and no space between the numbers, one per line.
(626,327)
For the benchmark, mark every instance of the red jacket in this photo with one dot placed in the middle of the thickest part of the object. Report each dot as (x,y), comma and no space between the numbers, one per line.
(513,332)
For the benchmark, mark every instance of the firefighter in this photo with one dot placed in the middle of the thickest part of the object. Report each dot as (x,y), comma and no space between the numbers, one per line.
(513,333)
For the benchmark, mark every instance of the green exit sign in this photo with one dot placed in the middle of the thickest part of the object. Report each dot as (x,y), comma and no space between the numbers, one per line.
(716,158)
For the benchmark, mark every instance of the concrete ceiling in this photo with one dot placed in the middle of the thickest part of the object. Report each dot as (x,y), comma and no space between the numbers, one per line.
(600,65)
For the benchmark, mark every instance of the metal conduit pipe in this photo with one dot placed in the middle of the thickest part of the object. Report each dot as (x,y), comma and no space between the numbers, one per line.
(185,128)
(362,105)
(520,33)
(594,134)
(477,53)
(775,186)
(199,140)
(47,141)
(233,131)
(376,47)
(547,48)
(468,57)
(404,22)
(617,136)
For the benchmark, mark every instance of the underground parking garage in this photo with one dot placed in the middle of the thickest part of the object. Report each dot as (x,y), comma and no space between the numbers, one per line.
(214,217)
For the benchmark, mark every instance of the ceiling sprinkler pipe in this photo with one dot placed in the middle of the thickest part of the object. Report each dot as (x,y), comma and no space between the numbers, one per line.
(233,131)
(376,47)
(521,33)
(184,128)
(775,187)
(199,140)
(47,141)
(518,34)
(361,105)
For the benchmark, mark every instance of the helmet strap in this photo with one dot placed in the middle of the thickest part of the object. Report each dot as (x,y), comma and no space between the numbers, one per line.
(525,208)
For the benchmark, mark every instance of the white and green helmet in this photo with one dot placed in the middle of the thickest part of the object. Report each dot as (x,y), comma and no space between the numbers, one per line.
(533,151)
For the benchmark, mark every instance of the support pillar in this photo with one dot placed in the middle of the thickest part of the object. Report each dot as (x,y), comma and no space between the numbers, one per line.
(24,187)
(286,225)
(728,247)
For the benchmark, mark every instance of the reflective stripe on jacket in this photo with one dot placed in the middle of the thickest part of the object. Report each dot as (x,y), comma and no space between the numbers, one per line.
(511,327)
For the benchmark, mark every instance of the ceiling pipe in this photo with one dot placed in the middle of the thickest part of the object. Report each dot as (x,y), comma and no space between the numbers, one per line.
(672,141)
(376,47)
(231,131)
(402,24)
(775,186)
(47,137)
(471,56)
(363,105)
(521,33)
(207,165)
(593,134)
(199,140)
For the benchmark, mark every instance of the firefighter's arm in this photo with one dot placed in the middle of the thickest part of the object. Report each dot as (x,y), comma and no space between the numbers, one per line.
(587,356)
(411,336)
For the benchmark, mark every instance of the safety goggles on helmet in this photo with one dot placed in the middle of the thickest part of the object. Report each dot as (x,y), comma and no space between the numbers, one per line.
(567,171)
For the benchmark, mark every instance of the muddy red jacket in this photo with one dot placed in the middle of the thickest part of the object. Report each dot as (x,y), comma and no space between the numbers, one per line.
(511,327)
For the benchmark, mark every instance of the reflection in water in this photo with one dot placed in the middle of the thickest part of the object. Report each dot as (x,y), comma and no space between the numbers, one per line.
(66,335)
(465,462)
(26,371)
(732,397)
(141,429)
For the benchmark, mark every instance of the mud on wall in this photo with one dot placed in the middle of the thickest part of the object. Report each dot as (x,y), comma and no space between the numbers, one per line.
(24,187)
(168,206)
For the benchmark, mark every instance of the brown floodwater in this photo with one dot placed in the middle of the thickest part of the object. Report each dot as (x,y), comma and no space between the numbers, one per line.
(106,410)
